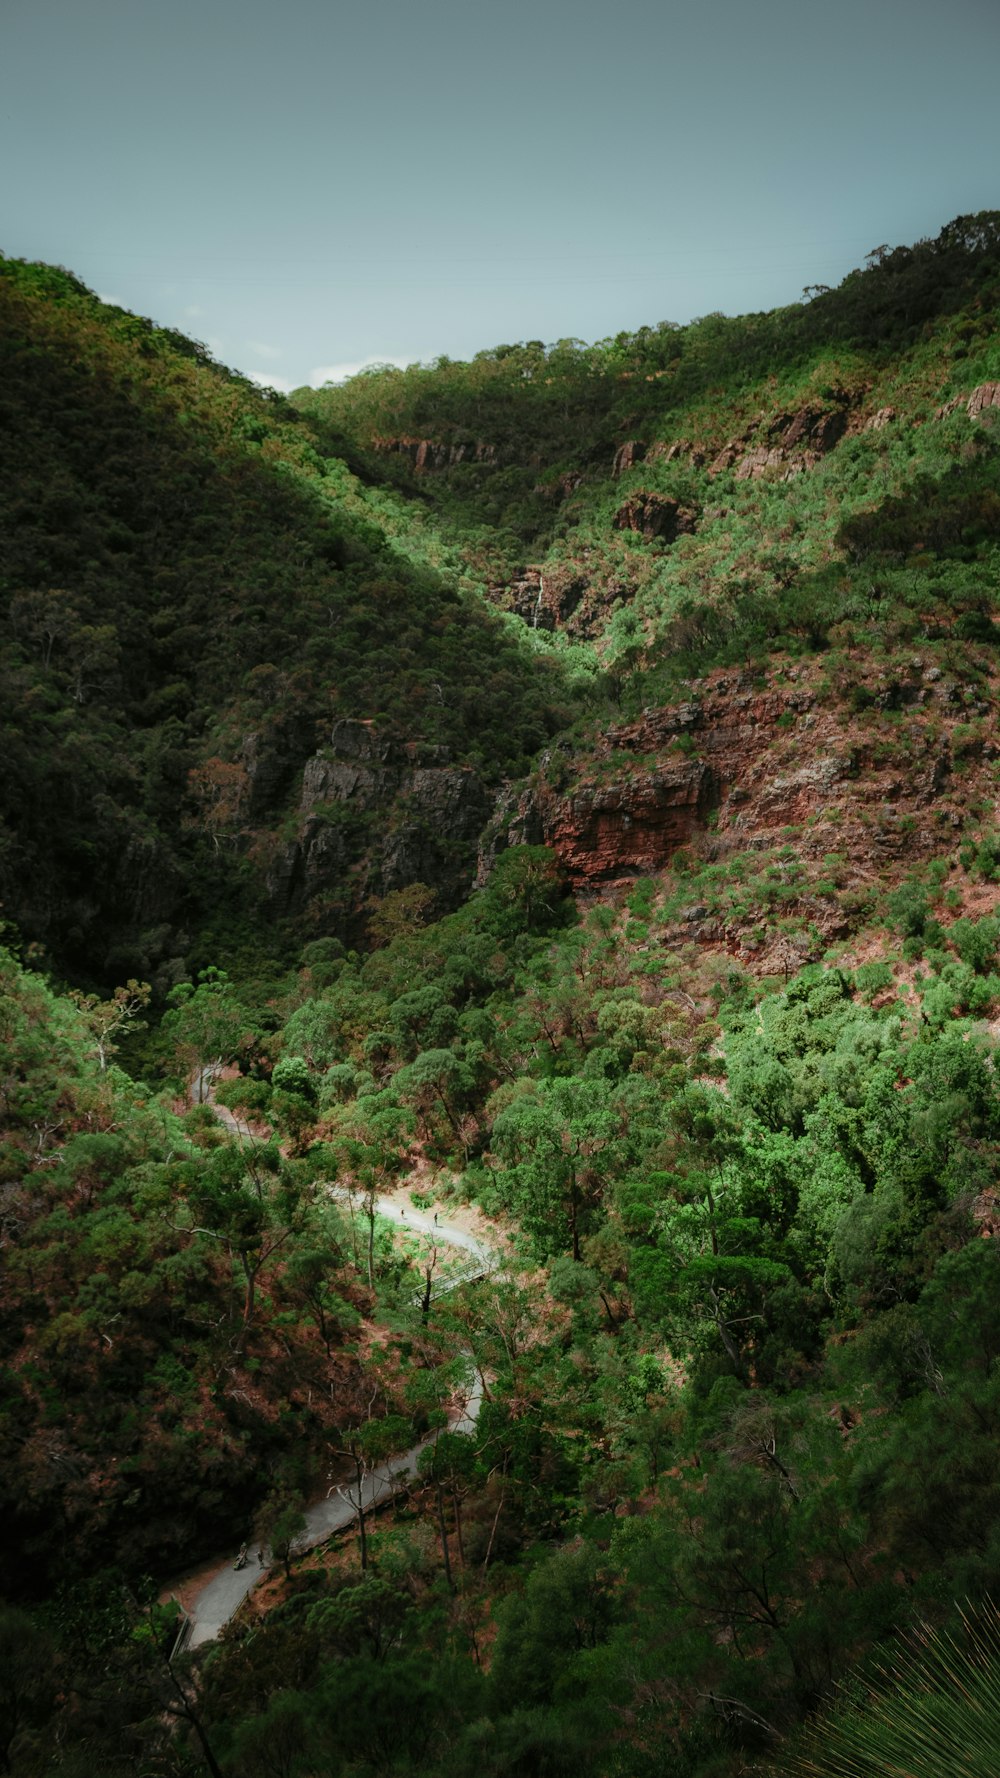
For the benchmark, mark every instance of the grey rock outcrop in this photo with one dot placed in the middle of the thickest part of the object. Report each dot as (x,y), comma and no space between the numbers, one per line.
(978,402)
(376,814)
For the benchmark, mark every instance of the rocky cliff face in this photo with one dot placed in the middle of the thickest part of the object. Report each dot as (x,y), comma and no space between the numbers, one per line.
(376,814)
(633,451)
(789,443)
(876,771)
(630,826)
(655,515)
(980,401)
(562,597)
(426,454)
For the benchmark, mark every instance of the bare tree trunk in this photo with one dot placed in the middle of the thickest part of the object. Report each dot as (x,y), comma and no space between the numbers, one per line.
(425,1306)
(250,1296)
(458,1526)
(362,1529)
(723,1327)
(573,1218)
(444,1538)
(493,1532)
(188,1714)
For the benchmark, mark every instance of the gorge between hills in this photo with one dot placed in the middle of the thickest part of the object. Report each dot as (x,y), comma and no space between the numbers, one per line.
(549,804)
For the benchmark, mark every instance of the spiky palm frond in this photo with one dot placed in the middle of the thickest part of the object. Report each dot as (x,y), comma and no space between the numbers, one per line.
(933,1709)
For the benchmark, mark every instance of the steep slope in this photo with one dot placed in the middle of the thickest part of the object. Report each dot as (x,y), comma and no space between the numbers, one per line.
(687,496)
(244,686)
(859,768)
(193,599)
(715,1038)
(707,508)
(162,1355)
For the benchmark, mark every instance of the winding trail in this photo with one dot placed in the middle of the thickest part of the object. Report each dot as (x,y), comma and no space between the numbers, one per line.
(222,1595)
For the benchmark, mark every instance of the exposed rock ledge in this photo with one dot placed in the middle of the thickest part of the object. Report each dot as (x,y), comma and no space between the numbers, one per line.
(986,396)
(627,826)
(763,762)
(380,813)
(427,453)
(561,597)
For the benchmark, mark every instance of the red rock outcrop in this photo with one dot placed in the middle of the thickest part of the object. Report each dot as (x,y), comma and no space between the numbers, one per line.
(606,831)
(628,827)
(427,454)
(543,601)
(729,454)
(817,429)
(792,443)
(770,762)
(654,515)
(562,597)
(628,455)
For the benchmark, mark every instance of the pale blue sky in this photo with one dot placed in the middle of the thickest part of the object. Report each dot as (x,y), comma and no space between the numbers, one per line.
(310,185)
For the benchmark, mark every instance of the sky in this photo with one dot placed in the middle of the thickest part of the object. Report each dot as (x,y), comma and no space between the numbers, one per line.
(311,186)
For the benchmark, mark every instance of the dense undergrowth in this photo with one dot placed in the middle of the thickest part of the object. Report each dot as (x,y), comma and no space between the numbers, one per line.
(752,1283)
(740,1413)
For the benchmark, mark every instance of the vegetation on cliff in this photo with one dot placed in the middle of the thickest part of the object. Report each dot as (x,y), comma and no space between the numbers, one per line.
(191,597)
(709,493)
(713,1043)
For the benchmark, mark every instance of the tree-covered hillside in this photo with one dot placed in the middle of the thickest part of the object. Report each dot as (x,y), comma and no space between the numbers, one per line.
(192,596)
(690,495)
(754,1271)
(197,590)
(690,637)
